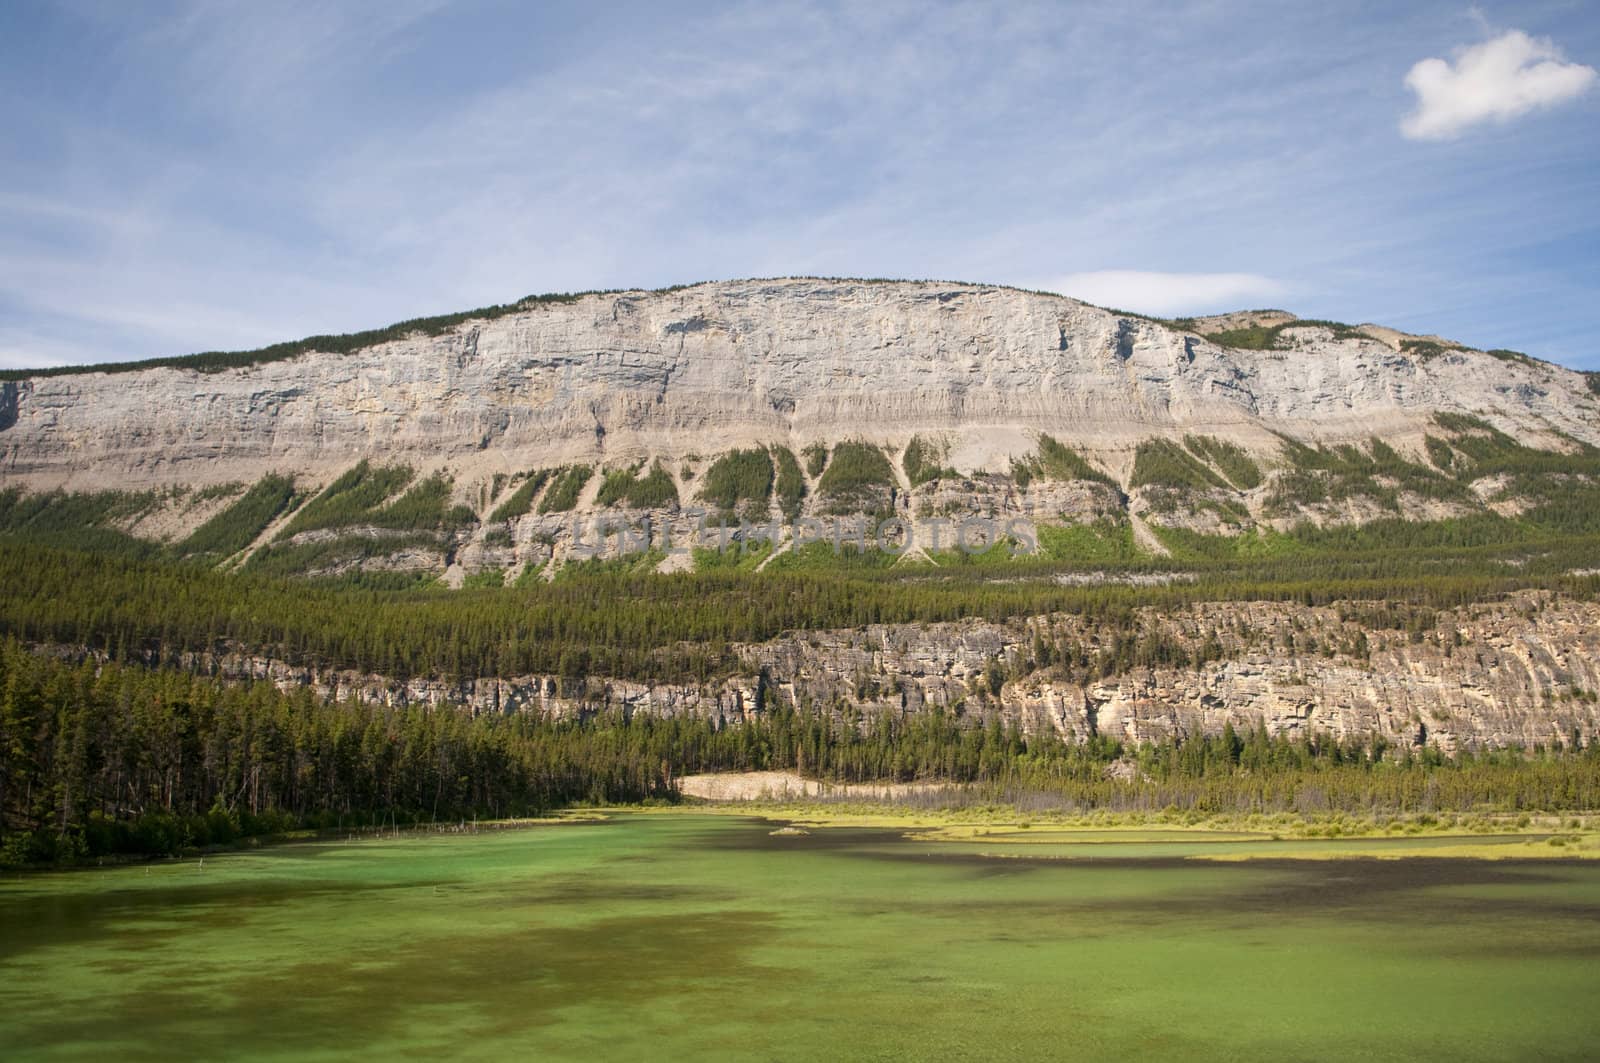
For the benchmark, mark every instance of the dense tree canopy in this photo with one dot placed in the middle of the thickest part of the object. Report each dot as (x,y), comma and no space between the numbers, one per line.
(102,759)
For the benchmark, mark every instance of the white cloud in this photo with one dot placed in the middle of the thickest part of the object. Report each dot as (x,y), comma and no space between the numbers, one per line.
(300,168)
(1497,80)
(1167,293)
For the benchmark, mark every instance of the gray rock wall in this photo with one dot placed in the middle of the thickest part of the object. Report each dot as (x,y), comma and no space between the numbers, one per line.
(1519,672)
(698,370)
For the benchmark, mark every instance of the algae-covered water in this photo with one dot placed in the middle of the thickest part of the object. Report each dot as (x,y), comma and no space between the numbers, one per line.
(688,936)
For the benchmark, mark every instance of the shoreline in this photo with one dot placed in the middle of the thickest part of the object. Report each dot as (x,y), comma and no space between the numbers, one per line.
(1005,831)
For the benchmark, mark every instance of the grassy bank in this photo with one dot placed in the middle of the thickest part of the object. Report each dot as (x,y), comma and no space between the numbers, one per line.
(1008,830)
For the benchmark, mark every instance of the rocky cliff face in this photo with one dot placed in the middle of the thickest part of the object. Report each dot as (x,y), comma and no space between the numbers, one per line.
(1523,671)
(978,377)
(637,375)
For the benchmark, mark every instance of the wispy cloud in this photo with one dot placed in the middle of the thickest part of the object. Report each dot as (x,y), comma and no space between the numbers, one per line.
(1495,81)
(1168,293)
(227,174)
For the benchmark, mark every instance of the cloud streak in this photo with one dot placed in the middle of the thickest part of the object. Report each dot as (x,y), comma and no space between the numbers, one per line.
(1495,81)
(233,176)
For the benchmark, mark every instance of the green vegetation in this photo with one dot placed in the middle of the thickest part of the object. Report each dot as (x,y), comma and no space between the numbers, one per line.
(214,492)
(484,579)
(1237,465)
(117,760)
(740,556)
(740,476)
(977,554)
(1275,337)
(351,499)
(1460,423)
(1516,357)
(66,574)
(531,575)
(1104,542)
(1055,461)
(1233,771)
(89,521)
(1320,475)
(791,485)
(824,558)
(1250,338)
(1439,452)
(679,626)
(84,521)
(1163,463)
(1428,350)
(341,553)
(617,618)
(592,569)
(237,526)
(922,462)
(1487,451)
(113,760)
(615,485)
(426,507)
(816,456)
(858,479)
(1256,544)
(521,499)
(654,490)
(1559,484)
(358,498)
(565,488)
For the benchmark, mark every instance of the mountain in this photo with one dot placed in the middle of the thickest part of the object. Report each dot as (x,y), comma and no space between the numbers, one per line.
(1176,526)
(636,375)
(950,399)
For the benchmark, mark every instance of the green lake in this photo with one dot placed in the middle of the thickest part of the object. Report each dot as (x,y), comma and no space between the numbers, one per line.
(674,936)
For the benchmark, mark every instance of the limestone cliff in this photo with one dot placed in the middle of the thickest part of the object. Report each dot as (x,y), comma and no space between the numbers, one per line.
(1523,671)
(621,383)
(635,375)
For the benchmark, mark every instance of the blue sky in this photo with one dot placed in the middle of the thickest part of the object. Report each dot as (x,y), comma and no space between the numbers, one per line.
(181,177)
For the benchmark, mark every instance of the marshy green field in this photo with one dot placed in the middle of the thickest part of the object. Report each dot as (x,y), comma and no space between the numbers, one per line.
(678,935)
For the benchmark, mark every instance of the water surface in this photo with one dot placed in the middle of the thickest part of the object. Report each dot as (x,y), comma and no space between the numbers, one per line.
(666,936)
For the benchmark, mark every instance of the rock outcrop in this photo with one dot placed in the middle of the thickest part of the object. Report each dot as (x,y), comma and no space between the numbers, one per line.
(1524,671)
(630,376)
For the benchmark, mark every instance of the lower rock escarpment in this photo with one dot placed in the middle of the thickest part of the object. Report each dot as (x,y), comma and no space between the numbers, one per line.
(1524,672)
